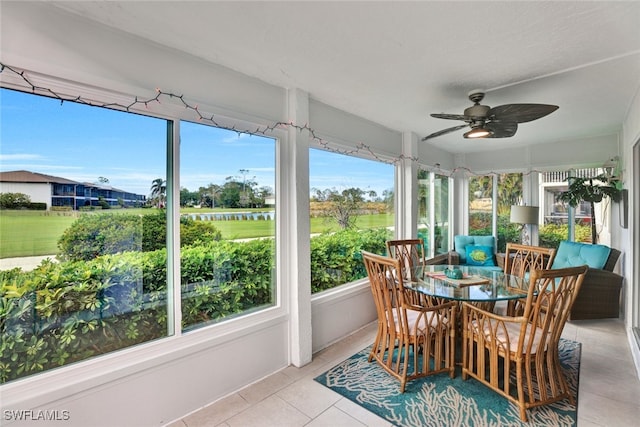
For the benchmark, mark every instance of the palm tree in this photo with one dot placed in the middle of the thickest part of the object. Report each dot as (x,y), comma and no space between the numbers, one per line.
(509,191)
(159,191)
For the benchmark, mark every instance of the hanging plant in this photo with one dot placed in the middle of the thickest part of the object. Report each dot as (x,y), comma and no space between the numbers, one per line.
(592,190)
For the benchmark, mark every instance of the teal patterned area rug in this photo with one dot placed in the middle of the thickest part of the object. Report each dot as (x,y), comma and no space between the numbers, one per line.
(441,401)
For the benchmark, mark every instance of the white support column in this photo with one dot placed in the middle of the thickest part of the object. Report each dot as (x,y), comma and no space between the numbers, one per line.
(461,204)
(406,197)
(294,228)
(174,294)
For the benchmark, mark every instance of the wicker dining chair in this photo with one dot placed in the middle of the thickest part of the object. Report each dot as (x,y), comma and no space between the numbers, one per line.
(412,341)
(521,260)
(410,252)
(518,356)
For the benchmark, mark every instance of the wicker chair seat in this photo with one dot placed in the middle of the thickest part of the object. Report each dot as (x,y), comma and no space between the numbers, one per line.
(507,335)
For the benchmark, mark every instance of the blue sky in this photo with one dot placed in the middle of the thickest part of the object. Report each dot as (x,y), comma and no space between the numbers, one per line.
(84,143)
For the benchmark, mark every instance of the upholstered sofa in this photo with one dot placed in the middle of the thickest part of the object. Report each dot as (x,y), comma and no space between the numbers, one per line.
(599,296)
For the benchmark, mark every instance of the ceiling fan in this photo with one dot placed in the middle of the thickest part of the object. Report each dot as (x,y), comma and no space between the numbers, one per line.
(497,122)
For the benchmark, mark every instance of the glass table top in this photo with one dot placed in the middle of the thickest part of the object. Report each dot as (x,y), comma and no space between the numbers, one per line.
(498,285)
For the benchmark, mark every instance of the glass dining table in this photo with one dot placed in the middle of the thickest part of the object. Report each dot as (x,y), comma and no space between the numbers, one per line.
(479,285)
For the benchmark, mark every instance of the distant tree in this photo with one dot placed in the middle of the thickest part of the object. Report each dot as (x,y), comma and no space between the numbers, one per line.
(230,194)
(188,198)
(387,198)
(103,203)
(342,206)
(509,191)
(103,180)
(14,200)
(210,195)
(262,194)
(480,187)
(159,192)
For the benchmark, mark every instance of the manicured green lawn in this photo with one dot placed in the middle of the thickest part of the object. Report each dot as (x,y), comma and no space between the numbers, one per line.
(31,233)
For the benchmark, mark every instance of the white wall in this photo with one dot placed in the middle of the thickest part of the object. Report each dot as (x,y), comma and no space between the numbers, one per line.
(336,314)
(629,239)
(560,154)
(38,193)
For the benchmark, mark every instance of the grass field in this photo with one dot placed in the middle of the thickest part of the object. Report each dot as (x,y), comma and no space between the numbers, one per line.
(31,233)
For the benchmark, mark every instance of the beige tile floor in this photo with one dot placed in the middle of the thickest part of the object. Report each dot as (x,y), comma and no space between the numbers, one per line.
(609,387)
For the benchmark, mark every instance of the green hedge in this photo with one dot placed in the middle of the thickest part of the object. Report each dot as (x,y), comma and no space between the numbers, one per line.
(94,235)
(549,236)
(60,313)
(336,258)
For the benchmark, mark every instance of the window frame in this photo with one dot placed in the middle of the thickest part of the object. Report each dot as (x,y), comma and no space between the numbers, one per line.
(344,150)
(122,362)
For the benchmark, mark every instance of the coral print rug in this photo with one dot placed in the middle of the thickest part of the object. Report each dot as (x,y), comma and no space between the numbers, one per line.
(441,401)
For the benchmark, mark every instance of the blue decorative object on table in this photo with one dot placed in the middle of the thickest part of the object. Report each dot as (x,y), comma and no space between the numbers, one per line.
(453,273)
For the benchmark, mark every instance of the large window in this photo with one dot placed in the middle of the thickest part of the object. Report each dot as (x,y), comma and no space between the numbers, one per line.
(351,210)
(227,197)
(483,213)
(74,182)
(480,205)
(84,202)
(557,214)
(433,212)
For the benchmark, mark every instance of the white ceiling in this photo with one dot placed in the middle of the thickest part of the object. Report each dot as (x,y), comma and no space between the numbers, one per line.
(396,62)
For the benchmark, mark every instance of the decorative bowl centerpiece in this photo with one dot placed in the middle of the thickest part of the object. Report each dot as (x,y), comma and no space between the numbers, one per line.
(453,273)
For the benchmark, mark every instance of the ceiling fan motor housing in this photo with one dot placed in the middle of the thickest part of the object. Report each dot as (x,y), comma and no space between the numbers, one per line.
(477,111)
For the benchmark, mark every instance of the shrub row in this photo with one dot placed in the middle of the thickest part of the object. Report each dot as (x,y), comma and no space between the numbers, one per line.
(65,312)
(336,258)
(94,235)
(549,236)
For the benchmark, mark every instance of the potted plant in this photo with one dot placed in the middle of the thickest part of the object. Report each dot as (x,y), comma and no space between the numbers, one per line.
(591,190)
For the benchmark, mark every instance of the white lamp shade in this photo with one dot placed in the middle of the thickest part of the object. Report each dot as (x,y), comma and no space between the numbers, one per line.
(524,214)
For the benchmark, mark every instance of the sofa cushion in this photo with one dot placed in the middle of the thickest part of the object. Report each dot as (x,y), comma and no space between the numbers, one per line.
(460,244)
(574,254)
(480,255)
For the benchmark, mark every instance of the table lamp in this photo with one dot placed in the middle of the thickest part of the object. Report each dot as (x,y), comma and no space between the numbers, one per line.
(524,215)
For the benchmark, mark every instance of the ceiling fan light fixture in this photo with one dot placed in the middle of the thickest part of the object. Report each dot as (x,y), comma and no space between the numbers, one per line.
(478,132)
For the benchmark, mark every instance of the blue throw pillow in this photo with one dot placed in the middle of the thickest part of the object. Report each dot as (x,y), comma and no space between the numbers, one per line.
(480,256)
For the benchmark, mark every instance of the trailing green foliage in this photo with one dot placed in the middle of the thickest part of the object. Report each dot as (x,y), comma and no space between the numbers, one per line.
(336,258)
(225,278)
(592,190)
(60,313)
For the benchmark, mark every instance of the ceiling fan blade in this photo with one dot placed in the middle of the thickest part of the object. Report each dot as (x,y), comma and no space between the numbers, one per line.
(501,129)
(444,131)
(520,113)
(452,117)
